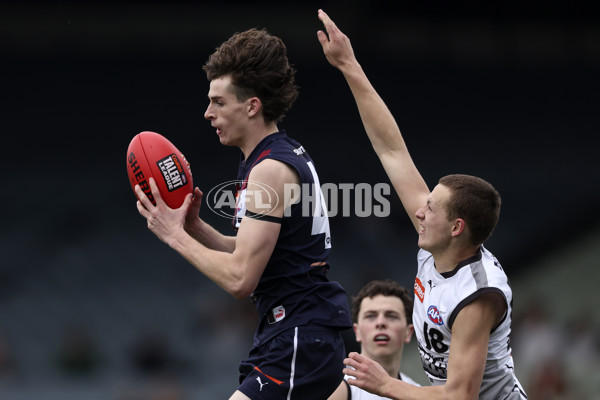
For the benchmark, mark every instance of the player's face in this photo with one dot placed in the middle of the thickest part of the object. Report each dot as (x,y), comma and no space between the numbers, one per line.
(434,227)
(382,328)
(225,112)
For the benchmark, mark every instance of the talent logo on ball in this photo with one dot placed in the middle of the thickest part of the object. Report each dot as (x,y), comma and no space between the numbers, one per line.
(172,171)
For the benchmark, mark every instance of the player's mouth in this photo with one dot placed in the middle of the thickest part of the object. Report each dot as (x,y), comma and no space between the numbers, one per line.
(381,338)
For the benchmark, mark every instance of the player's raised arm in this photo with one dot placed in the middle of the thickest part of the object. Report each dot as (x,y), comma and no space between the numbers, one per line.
(377,119)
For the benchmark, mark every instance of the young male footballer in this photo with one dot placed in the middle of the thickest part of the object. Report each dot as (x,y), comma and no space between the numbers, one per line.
(462,306)
(382,322)
(279,255)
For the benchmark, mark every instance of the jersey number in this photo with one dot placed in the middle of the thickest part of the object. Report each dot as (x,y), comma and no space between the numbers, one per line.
(434,339)
(320,221)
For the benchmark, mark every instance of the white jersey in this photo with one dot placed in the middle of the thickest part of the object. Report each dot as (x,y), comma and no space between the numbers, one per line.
(355,393)
(439,298)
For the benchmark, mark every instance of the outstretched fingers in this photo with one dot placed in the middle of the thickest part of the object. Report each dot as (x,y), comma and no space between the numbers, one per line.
(330,27)
(155,192)
(142,210)
(336,45)
(143,199)
(144,204)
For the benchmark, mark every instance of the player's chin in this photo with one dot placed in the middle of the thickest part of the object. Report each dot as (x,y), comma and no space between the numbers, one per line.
(225,141)
(381,350)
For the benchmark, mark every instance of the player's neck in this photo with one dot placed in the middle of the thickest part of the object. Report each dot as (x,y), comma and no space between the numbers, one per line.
(255,135)
(448,260)
(390,363)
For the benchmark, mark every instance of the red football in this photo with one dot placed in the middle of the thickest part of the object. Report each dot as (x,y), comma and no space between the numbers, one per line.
(152,155)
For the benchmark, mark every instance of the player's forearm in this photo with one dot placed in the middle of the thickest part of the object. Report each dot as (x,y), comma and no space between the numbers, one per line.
(210,237)
(378,121)
(219,266)
(399,390)
(388,143)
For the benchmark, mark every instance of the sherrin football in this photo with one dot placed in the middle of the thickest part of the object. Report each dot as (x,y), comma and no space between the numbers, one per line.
(152,155)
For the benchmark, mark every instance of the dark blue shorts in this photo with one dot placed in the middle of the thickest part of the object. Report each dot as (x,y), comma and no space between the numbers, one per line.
(301,363)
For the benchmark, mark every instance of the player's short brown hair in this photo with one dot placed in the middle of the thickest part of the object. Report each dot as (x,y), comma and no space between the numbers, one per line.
(474,200)
(258,65)
(385,287)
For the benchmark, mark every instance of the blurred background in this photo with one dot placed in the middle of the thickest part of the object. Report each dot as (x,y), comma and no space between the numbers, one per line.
(93,306)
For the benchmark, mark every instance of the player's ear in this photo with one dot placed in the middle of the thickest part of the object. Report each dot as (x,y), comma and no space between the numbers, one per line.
(458,227)
(254,106)
(356,332)
(410,329)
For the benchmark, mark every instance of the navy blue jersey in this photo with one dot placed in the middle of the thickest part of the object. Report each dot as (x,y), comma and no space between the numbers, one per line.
(293,289)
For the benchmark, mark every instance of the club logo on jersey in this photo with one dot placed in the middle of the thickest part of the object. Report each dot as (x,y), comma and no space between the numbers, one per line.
(172,172)
(419,289)
(434,315)
(278,314)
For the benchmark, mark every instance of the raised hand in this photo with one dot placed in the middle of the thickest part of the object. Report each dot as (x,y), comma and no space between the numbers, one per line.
(335,43)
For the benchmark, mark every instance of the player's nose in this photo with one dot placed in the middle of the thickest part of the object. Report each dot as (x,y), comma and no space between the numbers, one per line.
(381,322)
(208,114)
(420,214)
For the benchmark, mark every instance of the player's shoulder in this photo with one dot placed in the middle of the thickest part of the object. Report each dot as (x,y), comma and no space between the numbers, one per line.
(283,150)
(287,150)
(493,268)
(272,171)
(482,275)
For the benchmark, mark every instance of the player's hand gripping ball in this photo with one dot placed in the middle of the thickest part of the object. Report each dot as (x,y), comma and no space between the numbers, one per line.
(152,155)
